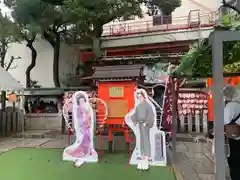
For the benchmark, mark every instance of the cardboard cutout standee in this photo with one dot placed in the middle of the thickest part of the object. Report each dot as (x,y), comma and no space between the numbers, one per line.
(82,150)
(150,141)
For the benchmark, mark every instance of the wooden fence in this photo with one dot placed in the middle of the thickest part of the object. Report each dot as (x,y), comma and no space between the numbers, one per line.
(193,123)
(10,122)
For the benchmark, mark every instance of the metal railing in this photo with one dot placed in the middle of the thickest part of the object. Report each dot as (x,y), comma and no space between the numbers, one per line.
(154,56)
(146,26)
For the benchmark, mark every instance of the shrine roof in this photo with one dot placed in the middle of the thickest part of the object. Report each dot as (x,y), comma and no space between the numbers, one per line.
(118,72)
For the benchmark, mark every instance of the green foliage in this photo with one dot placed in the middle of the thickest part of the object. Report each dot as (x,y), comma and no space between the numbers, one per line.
(198,61)
(34,84)
(8,34)
(165,6)
(8,29)
(54,2)
(89,16)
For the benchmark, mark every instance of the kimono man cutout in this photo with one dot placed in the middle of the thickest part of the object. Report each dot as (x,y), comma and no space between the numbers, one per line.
(142,120)
(82,150)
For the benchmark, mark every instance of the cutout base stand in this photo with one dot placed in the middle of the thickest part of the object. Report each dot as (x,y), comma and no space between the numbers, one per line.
(143,165)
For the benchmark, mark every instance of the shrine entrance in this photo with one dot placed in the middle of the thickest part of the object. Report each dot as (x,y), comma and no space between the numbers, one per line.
(116,86)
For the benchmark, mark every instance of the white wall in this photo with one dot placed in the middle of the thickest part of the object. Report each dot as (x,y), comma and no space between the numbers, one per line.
(43,71)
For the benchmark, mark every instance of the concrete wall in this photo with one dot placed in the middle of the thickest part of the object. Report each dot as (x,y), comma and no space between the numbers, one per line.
(43,71)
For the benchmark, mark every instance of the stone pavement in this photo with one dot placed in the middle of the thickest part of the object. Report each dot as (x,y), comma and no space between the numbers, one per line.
(194,161)
(10,143)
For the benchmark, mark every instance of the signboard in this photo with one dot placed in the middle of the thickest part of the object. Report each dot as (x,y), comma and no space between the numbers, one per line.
(115,92)
(117,108)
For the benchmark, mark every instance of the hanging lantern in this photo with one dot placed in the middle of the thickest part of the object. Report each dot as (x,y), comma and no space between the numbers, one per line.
(12,97)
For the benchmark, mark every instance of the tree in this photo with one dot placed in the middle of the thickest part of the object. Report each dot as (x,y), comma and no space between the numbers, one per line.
(231,6)
(32,15)
(53,31)
(28,16)
(198,61)
(88,17)
(164,6)
(7,36)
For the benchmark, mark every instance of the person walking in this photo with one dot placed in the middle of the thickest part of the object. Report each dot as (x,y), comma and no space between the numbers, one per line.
(232,129)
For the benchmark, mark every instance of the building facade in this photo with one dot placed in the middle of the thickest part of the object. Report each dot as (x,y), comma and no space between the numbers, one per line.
(204,11)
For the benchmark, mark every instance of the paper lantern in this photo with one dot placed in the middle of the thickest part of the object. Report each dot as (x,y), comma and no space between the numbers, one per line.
(12,97)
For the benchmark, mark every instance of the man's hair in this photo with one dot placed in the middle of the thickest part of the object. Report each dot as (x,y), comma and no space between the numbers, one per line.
(142,94)
(229,92)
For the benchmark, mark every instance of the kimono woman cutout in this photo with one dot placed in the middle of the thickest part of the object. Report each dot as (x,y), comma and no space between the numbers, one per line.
(82,150)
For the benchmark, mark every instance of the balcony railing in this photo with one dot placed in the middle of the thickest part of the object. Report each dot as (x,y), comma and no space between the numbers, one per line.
(146,26)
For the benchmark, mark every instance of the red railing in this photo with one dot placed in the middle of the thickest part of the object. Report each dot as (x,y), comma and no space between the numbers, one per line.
(145,26)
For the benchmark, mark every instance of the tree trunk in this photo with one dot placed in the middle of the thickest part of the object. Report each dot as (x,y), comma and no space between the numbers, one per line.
(56,52)
(3,51)
(55,42)
(96,42)
(3,54)
(96,48)
(33,63)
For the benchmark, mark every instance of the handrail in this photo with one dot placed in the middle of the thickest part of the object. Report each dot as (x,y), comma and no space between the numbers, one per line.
(190,16)
(155,103)
(145,26)
(66,117)
(144,56)
(105,106)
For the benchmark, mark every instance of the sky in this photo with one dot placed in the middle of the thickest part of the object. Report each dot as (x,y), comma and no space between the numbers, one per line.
(4,9)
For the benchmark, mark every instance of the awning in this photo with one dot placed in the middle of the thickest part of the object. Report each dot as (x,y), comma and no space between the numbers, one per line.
(118,72)
(9,83)
(53,91)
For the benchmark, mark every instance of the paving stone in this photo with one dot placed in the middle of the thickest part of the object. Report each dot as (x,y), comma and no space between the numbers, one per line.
(181,147)
(55,143)
(185,167)
(202,165)
(210,156)
(195,155)
(208,146)
(8,144)
(32,142)
(194,147)
(207,176)
(32,134)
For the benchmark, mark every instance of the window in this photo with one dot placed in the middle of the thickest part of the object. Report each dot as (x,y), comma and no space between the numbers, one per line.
(162,19)
(44,104)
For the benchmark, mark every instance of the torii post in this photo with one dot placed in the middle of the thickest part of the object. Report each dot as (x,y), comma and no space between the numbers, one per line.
(217,39)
